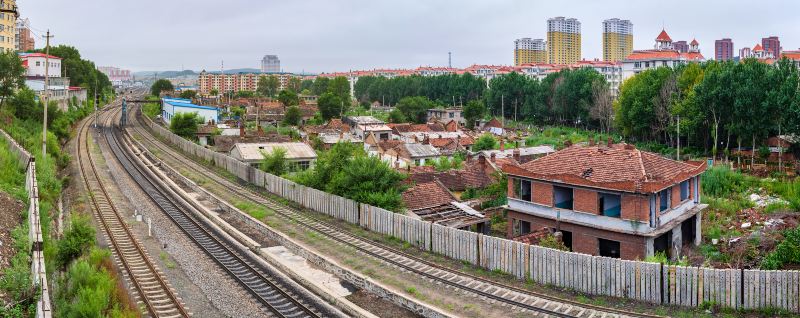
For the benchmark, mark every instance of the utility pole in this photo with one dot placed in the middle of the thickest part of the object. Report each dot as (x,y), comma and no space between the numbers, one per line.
(515,109)
(503,108)
(95,103)
(46,92)
(679,138)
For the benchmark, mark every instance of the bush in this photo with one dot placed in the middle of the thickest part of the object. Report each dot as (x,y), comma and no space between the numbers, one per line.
(274,162)
(484,142)
(185,124)
(550,241)
(788,251)
(721,181)
(77,239)
(89,289)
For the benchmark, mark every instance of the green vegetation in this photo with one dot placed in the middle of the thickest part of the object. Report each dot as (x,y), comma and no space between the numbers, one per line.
(661,257)
(268,85)
(445,163)
(161,86)
(558,137)
(288,98)
(474,110)
(185,125)
(441,89)
(78,238)
(81,72)
(719,103)
(275,162)
(550,241)
(415,108)
(347,171)
(485,142)
(189,94)
(293,116)
(12,76)
(152,109)
(787,251)
(90,289)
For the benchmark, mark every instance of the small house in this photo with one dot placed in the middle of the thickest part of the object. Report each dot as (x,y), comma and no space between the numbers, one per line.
(297,153)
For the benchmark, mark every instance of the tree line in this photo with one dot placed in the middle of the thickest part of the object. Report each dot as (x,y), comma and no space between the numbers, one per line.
(713,104)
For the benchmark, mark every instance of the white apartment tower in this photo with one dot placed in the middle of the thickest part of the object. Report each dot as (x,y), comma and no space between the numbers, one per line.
(270,64)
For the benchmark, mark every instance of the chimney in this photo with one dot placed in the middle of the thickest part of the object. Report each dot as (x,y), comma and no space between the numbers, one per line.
(516,154)
(568,143)
(591,141)
(241,130)
(493,157)
(502,147)
(481,159)
(610,142)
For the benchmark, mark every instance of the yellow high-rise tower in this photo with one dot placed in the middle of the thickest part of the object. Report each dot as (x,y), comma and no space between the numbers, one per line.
(529,51)
(617,39)
(563,40)
(8,23)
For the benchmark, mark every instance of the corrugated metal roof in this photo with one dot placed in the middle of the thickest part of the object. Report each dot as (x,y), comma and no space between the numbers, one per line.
(334,138)
(365,120)
(420,150)
(256,151)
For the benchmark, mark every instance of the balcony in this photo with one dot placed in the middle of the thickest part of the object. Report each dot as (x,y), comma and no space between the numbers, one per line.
(581,218)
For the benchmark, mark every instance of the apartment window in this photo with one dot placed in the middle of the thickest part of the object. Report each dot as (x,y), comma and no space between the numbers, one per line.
(562,197)
(637,64)
(608,248)
(609,204)
(522,189)
(663,198)
(38,63)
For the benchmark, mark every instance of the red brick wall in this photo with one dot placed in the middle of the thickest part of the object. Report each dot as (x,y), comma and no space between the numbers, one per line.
(635,207)
(585,201)
(584,239)
(542,193)
(676,196)
(510,193)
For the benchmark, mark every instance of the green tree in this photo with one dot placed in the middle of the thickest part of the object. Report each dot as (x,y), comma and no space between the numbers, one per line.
(320,86)
(189,94)
(81,72)
(484,142)
(416,108)
(396,116)
(473,111)
(294,84)
(160,86)
(214,92)
(330,106)
(329,163)
(340,87)
(185,124)
(12,75)
(245,94)
(288,98)
(369,180)
(306,85)
(275,161)
(507,92)
(78,238)
(268,85)
(293,116)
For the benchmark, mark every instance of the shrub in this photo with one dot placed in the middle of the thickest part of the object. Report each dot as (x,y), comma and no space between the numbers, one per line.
(77,239)
(787,251)
(721,181)
(550,241)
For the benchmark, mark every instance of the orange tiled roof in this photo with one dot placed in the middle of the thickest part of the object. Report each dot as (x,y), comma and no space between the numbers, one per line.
(427,195)
(619,167)
(758,48)
(663,54)
(792,55)
(663,36)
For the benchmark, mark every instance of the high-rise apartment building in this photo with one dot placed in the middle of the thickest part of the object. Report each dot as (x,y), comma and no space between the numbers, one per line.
(8,25)
(270,64)
(563,40)
(772,45)
(528,51)
(680,46)
(723,50)
(24,40)
(617,39)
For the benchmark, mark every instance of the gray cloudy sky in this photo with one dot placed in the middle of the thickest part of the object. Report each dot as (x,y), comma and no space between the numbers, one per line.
(325,36)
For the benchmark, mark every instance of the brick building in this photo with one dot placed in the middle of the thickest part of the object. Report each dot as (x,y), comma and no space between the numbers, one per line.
(723,49)
(608,200)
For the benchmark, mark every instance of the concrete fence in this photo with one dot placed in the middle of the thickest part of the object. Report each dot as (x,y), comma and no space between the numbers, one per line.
(643,281)
(35,237)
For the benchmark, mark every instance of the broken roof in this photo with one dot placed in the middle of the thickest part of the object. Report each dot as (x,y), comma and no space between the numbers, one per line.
(452,214)
(620,167)
(419,150)
(426,195)
(256,151)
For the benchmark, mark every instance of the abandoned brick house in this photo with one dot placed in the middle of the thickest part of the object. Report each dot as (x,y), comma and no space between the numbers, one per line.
(608,200)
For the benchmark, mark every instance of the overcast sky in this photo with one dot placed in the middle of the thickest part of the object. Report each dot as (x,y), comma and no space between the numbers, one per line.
(326,36)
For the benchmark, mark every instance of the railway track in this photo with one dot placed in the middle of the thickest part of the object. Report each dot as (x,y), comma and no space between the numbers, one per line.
(153,290)
(535,302)
(274,295)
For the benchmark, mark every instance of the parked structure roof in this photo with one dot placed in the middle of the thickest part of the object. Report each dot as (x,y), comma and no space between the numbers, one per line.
(256,151)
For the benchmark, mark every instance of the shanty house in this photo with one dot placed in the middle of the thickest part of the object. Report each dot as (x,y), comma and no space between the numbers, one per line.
(297,153)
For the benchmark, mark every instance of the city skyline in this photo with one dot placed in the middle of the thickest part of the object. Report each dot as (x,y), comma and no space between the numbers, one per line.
(365,35)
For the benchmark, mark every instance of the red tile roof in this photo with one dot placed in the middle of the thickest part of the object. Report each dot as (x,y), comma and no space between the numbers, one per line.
(620,167)
(758,48)
(792,55)
(494,123)
(427,195)
(694,42)
(663,36)
(664,54)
